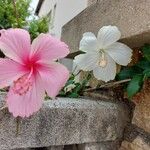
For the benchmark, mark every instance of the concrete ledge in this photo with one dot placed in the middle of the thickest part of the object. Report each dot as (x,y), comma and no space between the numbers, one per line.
(131,16)
(65,121)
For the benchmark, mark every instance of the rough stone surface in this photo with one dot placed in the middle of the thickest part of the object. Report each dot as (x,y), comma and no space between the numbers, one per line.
(90,2)
(135,138)
(44,148)
(99,146)
(141,115)
(131,16)
(22,149)
(65,121)
(137,144)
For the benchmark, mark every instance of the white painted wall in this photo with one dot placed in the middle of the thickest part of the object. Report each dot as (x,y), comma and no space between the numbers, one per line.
(65,11)
(46,7)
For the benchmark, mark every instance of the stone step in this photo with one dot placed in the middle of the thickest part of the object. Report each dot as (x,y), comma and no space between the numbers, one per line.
(89,146)
(65,121)
(131,16)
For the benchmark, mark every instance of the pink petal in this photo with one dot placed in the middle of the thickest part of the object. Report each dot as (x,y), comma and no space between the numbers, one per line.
(9,72)
(54,77)
(46,47)
(25,105)
(15,44)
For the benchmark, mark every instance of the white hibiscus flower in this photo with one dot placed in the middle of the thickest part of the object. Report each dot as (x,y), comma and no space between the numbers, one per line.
(102,53)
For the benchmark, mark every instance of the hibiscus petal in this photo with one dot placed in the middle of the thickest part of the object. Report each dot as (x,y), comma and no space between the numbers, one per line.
(106,73)
(120,53)
(9,72)
(25,105)
(15,44)
(88,42)
(54,77)
(108,35)
(48,48)
(88,61)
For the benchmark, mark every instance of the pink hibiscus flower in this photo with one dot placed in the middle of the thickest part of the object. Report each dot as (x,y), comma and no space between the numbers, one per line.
(30,70)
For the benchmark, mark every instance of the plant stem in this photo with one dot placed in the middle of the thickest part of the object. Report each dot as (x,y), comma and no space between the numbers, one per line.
(18,121)
(111,84)
(16,12)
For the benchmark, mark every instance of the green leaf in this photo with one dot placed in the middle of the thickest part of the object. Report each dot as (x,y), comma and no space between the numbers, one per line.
(134,85)
(128,73)
(143,64)
(146,73)
(73,95)
(146,51)
(86,80)
(69,82)
(77,88)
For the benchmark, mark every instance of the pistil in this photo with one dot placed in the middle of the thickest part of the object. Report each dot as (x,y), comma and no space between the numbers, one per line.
(103,60)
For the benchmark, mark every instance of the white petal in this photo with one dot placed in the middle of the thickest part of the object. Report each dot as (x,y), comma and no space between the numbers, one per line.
(120,53)
(88,61)
(107,73)
(88,42)
(108,35)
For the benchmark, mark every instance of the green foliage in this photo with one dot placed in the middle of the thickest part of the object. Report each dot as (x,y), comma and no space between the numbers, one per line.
(37,26)
(137,73)
(134,85)
(146,51)
(8,14)
(77,87)
(11,17)
(129,72)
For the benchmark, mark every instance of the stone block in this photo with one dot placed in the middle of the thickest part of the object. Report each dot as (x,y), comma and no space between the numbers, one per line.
(141,115)
(65,121)
(132,17)
(42,148)
(21,149)
(137,144)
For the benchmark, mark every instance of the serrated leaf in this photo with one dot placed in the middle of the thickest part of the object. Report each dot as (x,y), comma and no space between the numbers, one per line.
(134,85)
(128,73)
